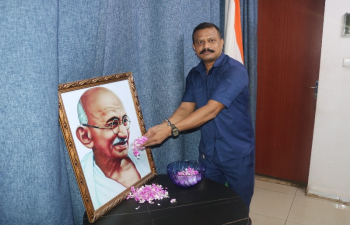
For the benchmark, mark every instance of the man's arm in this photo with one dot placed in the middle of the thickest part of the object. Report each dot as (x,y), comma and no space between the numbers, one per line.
(184,118)
(200,116)
(159,133)
(185,109)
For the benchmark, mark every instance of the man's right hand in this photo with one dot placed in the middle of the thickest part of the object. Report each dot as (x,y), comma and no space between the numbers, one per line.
(157,134)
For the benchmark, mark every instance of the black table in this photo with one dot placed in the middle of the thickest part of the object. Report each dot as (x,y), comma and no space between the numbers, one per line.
(207,203)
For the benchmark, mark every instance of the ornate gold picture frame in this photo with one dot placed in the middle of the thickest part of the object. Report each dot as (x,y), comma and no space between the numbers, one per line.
(100,118)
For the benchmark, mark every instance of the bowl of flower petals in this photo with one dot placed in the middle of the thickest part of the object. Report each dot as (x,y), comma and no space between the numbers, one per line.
(186,173)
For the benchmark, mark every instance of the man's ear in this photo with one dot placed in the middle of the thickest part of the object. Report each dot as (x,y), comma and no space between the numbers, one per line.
(84,136)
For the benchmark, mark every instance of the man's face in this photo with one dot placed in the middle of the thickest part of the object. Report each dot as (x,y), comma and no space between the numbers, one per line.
(208,44)
(101,109)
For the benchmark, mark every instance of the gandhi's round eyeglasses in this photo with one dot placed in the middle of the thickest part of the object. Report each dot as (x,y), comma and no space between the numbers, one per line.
(114,124)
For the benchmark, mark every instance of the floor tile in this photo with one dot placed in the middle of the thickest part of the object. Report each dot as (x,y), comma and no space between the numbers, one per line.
(291,223)
(311,211)
(271,203)
(275,187)
(301,192)
(265,220)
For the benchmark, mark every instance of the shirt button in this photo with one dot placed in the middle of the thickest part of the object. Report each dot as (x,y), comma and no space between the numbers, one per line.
(203,156)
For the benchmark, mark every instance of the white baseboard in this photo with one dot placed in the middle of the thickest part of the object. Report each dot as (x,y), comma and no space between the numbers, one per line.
(327,195)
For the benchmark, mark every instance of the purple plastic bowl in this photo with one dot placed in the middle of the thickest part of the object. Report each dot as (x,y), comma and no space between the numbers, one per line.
(185,181)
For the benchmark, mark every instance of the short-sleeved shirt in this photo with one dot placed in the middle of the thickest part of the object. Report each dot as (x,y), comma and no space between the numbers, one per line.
(230,133)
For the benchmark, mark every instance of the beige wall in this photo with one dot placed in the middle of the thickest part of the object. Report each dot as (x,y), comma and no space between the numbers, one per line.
(330,159)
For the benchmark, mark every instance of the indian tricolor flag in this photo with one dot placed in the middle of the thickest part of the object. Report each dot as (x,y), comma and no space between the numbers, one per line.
(233,32)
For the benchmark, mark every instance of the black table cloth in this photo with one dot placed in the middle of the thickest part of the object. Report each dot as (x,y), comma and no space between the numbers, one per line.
(206,203)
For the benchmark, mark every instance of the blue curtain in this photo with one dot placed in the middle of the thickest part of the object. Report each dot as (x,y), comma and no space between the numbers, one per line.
(34,185)
(45,43)
(249,18)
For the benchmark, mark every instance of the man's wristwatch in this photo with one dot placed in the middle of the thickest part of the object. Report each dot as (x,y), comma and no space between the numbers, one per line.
(174,131)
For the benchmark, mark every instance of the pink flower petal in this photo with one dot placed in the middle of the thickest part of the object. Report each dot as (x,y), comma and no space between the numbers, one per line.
(187,172)
(148,193)
(136,146)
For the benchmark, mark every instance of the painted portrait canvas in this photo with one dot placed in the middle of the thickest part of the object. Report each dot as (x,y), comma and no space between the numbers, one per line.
(100,119)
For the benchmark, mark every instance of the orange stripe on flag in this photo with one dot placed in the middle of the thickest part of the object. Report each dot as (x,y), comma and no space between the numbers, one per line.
(238,29)
(233,33)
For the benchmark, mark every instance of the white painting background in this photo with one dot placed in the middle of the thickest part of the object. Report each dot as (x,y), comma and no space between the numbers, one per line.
(122,90)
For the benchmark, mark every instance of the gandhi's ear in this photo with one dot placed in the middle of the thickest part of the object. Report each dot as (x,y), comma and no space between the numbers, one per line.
(84,136)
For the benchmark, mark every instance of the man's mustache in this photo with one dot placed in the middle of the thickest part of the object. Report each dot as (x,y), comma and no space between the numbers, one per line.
(206,50)
(118,140)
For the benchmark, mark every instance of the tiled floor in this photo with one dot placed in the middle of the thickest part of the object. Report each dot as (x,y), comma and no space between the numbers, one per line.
(278,204)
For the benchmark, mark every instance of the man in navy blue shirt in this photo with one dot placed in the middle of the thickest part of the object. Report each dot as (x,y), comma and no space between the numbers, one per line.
(216,99)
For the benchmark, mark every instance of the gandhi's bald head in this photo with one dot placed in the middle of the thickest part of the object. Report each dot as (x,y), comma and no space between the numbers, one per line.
(90,98)
(97,109)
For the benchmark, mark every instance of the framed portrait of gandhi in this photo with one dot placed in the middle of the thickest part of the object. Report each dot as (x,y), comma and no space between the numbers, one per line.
(100,119)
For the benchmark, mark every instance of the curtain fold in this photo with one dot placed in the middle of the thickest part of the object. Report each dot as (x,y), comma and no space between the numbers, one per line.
(34,186)
(249,18)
